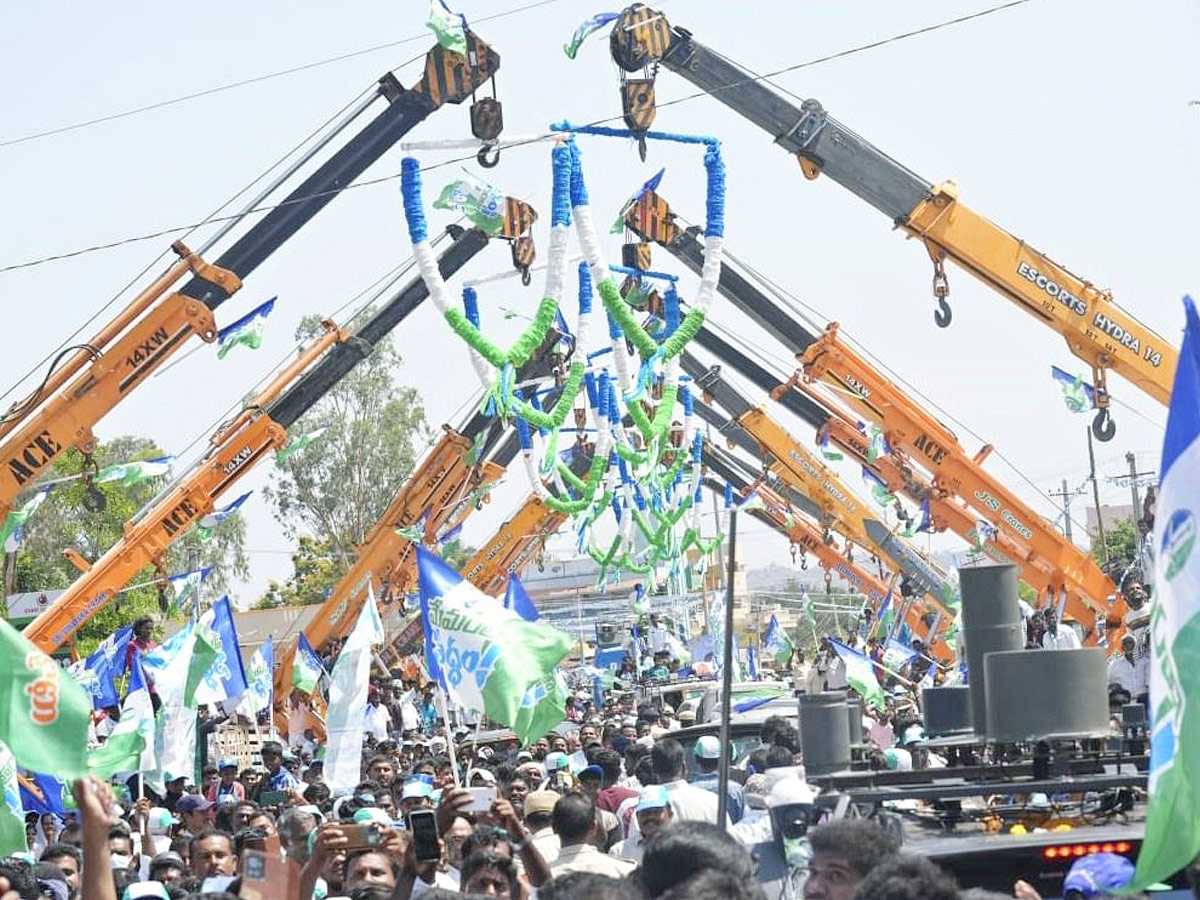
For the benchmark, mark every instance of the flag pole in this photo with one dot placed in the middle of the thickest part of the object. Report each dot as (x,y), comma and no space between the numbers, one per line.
(727,675)
(441,696)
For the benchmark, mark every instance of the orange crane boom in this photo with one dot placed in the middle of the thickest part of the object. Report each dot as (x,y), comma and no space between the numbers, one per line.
(158,322)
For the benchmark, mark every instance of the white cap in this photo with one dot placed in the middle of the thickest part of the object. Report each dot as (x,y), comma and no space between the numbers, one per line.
(790,791)
(707,747)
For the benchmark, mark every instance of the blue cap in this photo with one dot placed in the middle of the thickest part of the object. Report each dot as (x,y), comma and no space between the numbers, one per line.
(653,796)
(1098,873)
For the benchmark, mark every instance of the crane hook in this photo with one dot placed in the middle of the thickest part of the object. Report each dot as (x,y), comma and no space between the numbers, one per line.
(1103,427)
(942,315)
(488,161)
(93,499)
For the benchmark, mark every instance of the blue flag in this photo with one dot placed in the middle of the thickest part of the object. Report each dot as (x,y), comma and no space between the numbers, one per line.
(896,656)
(206,525)
(752,663)
(586,27)
(1077,393)
(226,678)
(43,794)
(307,670)
(247,330)
(186,584)
(1173,816)
(516,599)
(95,674)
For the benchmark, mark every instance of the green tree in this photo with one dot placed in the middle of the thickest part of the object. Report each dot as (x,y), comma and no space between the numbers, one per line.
(1122,539)
(337,488)
(63,522)
(315,574)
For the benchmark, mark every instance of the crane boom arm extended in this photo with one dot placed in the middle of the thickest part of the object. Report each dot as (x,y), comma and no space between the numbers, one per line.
(804,535)
(836,506)
(236,448)
(1049,562)
(1095,327)
(99,374)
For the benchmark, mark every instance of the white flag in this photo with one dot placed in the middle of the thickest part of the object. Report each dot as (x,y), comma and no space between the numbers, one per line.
(348,686)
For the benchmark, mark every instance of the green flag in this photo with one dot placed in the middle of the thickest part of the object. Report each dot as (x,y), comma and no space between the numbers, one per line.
(204,655)
(487,658)
(1173,816)
(306,666)
(135,472)
(860,675)
(44,714)
(130,747)
(300,443)
(448,27)
(10,531)
(542,707)
(12,816)
(481,203)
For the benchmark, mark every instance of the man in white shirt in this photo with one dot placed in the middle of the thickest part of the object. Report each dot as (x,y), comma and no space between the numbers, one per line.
(688,802)
(657,634)
(653,813)
(1058,637)
(1127,670)
(575,822)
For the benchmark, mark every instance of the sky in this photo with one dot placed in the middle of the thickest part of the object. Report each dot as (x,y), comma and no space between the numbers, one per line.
(1067,123)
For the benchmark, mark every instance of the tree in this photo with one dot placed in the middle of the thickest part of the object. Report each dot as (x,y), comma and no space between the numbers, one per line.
(1122,540)
(63,522)
(336,488)
(316,573)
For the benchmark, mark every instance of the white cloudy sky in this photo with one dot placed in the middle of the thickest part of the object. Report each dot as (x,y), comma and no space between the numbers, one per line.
(1068,123)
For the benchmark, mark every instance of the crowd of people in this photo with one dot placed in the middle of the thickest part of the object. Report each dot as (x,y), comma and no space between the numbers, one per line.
(609,809)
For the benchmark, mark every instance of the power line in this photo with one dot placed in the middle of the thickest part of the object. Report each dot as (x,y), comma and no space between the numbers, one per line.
(255,79)
(603,121)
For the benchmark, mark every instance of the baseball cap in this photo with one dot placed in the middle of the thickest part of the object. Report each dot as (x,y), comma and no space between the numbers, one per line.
(687,715)
(162,860)
(653,796)
(371,814)
(707,747)
(557,760)
(190,803)
(417,786)
(160,820)
(913,734)
(540,802)
(524,756)
(228,764)
(591,772)
(1098,873)
(142,889)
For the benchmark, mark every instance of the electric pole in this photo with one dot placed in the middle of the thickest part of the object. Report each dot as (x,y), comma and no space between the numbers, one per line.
(1065,496)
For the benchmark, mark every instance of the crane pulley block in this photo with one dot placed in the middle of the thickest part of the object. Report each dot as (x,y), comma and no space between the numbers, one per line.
(640,36)
(650,217)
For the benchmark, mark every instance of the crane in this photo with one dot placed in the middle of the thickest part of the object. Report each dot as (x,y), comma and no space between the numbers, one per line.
(819,492)
(1096,328)
(235,448)
(97,375)
(838,387)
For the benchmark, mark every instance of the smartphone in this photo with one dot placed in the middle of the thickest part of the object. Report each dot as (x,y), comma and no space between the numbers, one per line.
(481,799)
(422,825)
(267,876)
(273,798)
(360,836)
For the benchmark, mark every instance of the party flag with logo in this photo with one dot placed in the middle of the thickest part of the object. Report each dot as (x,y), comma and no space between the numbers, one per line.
(1173,817)
(44,714)
(485,657)
(247,331)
